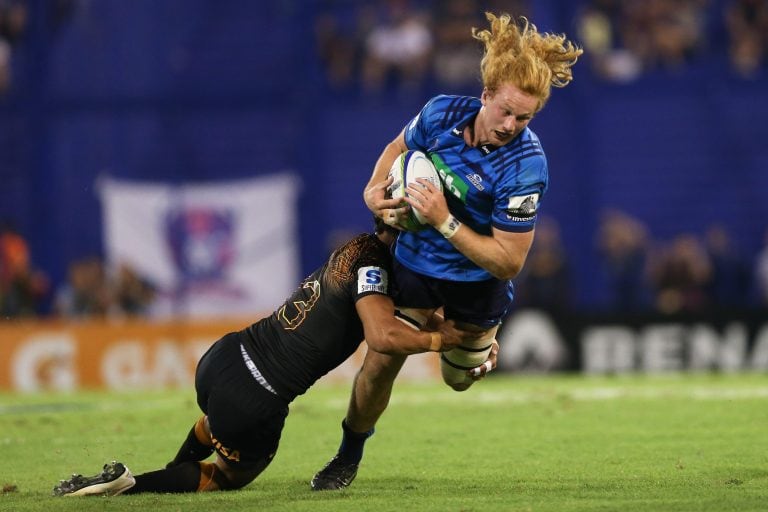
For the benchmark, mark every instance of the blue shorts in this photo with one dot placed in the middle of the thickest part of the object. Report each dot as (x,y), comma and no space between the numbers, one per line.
(481,303)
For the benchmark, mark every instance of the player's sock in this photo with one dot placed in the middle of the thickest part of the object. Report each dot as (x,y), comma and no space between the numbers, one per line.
(352,444)
(197,446)
(184,477)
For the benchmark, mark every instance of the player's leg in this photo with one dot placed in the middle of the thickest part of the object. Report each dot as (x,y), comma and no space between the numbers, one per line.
(475,306)
(456,363)
(197,446)
(185,473)
(219,475)
(371,391)
(243,423)
(115,478)
(244,420)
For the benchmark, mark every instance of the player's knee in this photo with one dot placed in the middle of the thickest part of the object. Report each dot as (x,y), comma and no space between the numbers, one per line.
(211,478)
(460,386)
(215,478)
(238,480)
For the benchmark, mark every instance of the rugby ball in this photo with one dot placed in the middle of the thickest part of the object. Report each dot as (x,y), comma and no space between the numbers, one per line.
(454,363)
(405,170)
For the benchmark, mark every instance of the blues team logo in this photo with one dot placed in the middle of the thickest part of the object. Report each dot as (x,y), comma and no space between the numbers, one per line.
(523,208)
(201,241)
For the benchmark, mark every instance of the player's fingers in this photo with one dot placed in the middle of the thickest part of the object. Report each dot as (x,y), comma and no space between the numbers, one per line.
(427,184)
(414,190)
(387,204)
(481,371)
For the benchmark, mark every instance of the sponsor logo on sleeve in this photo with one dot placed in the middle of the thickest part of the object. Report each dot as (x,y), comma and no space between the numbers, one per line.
(522,208)
(371,279)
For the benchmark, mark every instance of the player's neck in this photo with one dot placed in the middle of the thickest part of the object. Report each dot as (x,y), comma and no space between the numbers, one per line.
(471,135)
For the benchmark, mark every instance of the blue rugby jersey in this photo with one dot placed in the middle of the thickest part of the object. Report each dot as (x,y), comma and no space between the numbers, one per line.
(485,187)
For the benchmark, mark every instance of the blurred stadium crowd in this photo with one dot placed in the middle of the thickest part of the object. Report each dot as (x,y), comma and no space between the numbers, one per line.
(408,44)
(90,291)
(402,46)
(687,275)
(370,45)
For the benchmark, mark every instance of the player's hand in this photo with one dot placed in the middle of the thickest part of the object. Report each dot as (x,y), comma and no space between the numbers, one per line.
(481,371)
(428,200)
(378,201)
(453,336)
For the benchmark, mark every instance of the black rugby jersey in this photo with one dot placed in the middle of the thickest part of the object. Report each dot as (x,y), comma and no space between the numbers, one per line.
(317,327)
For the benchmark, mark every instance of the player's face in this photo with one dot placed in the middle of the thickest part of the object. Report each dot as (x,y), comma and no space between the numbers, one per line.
(507,111)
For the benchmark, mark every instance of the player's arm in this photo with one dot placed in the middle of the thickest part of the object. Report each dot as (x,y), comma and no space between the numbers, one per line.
(386,334)
(375,191)
(502,254)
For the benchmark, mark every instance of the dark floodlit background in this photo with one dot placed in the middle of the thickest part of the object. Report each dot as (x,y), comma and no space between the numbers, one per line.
(658,151)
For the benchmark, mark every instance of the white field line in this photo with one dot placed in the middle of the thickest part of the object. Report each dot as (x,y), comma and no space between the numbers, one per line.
(416,396)
(592,394)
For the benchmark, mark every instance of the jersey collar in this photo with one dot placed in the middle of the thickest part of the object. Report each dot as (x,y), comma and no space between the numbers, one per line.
(458,131)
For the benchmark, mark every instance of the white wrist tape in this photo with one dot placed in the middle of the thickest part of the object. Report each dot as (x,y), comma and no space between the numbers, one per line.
(449,227)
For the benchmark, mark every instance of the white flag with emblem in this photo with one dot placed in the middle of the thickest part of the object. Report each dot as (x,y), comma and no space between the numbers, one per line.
(220,249)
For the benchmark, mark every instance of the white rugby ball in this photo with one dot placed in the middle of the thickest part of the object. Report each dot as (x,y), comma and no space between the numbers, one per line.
(405,170)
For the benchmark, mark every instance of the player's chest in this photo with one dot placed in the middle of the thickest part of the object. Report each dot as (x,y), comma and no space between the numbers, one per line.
(467,173)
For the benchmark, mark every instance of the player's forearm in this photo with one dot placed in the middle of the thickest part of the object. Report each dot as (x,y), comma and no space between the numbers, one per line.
(488,253)
(384,163)
(387,157)
(395,338)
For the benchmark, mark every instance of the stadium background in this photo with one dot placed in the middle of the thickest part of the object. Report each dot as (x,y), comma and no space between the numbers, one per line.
(195,91)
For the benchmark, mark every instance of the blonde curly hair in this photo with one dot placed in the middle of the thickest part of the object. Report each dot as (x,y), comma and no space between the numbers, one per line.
(515,52)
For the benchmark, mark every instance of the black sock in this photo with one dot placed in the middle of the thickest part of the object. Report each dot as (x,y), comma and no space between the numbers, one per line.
(184,477)
(352,444)
(191,451)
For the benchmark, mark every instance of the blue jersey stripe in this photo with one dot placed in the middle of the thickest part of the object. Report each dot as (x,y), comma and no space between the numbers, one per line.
(455,111)
(518,158)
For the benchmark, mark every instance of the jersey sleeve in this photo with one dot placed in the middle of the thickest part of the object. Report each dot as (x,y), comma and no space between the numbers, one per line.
(518,196)
(364,266)
(417,130)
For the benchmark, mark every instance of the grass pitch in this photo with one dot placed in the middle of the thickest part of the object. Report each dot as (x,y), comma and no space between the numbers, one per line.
(556,443)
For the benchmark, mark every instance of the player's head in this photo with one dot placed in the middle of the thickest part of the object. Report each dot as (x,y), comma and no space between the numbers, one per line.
(516,53)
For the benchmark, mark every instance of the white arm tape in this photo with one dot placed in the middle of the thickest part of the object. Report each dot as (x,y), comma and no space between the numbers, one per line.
(449,227)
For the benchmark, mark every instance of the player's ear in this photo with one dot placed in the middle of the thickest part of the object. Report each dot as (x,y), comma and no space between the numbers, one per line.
(485,96)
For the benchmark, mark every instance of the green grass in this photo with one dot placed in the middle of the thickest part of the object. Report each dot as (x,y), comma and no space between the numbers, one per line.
(566,443)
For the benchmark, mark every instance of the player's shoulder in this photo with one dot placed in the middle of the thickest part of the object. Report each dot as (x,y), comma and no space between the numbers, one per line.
(441,114)
(452,102)
(363,249)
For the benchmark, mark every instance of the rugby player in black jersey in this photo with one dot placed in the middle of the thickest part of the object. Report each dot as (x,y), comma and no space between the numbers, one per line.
(246,380)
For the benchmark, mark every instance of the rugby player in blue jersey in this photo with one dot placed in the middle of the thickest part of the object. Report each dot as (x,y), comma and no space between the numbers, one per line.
(495,174)
(247,379)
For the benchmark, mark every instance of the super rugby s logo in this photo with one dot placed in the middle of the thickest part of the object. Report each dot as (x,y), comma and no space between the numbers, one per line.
(371,279)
